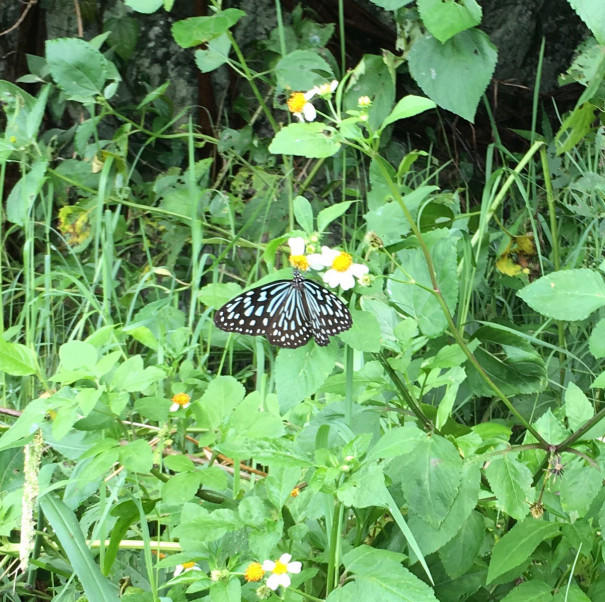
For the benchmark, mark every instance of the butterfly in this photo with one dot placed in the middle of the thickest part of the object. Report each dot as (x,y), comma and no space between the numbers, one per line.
(287,312)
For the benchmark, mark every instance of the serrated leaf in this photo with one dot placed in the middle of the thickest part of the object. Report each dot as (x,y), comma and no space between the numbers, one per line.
(364,488)
(137,456)
(530,591)
(222,395)
(364,335)
(77,355)
(580,484)
(566,295)
(592,14)
(215,55)
(454,74)
(311,140)
(131,376)
(279,484)
(518,544)
(577,407)
(17,359)
(458,555)
(596,340)
(198,30)
(511,483)
(301,70)
(445,19)
(308,366)
(180,488)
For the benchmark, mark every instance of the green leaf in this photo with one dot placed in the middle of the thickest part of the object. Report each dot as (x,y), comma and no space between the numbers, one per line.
(326,216)
(17,359)
(131,376)
(580,484)
(77,355)
(518,545)
(364,335)
(222,395)
(180,488)
(208,526)
(364,488)
(249,420)
(430,477)
(379,575)
(137,456)
(198,30)
(226,591)
(213,477)
(511,483)
(397,441)
(308,366)
(596,340)
(302,70)
(280,483)
(459,554)
(454,74)
(566,295)
(217,54)
(123,36)
(21,198)
(311,140)
(577,407)
(445,19)
(510,361)
(77,67)
(67,529)
(303,213)
(591,12)
(179,463)
(144,6)
(408,106)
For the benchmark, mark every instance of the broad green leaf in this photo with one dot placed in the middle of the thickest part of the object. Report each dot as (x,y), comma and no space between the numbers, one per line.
(408,106)
(303,213)
(511,483)
(77,355)
(430,477)
(530,591)
(153,408)
(21,198)
(519,544)
(379,575)
(580,484)
(209,526)
(364,335)
(454,74)
(215,55)
(179,463)
(391,4)
(250,421)
(77,67)
(364,488)
(453,378)
(510,361)
(17,359)
(279,484)
(459,554)
(419,302)
(131,376)
(591,12)
(431,538)
(144,6)
(218,293)
(277,452)
(566,295)
(302,70)
(123,36)
(180,488)
(226,591)
(27,424)
(573,593)
(156,93)
(137,456)
(300,372)
(67,529)
(222,395)
(34,119)
(311,140)
(397,442)
(596,340)
(446,19)
(577,407)
(199,30)
(326,216)
(213,477)
(252,511)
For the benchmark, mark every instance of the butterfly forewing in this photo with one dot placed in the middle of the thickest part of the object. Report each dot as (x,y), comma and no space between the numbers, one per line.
(287,312)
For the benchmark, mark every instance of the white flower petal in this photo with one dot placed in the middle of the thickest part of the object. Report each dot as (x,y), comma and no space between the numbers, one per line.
(173,408)
(315,261)
(268,565)
(299,116)
(285,558)
(294,567)
(179,568)
(297,245)
(329,255)
(358,270)
(331,278)
(346,280)
(309,112)
(311,93)
(333,85)
(273,582)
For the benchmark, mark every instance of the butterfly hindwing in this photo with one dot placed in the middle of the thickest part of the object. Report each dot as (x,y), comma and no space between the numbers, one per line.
(287,312)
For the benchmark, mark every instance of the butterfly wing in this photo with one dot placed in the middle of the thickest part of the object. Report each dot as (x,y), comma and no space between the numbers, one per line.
(252,312)
(328,315)
(290,326)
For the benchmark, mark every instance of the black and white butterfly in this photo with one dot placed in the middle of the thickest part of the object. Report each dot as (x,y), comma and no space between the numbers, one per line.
(287,312)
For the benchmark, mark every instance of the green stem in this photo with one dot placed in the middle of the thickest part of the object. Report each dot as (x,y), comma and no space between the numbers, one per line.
(332,577)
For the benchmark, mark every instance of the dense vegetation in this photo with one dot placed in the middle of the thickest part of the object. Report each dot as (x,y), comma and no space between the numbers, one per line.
(447,446)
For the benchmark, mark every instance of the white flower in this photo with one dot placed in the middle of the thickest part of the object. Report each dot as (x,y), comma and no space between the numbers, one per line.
(300,107)
(185,568)
(326,89)
(279,571)
(180,400)
(342,270)
(298,259)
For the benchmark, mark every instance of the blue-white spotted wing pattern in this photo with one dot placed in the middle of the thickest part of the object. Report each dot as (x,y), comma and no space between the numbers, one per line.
(287,312)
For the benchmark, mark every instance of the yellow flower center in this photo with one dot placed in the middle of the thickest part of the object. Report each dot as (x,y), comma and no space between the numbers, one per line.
(182,399)
(325,89)
(342,263)
(254,572)
(280,568)
(296,102)
(299,262)
(187,565)
(295,492)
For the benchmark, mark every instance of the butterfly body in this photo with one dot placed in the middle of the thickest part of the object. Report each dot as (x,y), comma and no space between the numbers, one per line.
(288,312)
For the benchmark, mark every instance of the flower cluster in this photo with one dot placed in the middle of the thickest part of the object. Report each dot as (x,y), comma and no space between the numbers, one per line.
(299,102)
(341,269)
